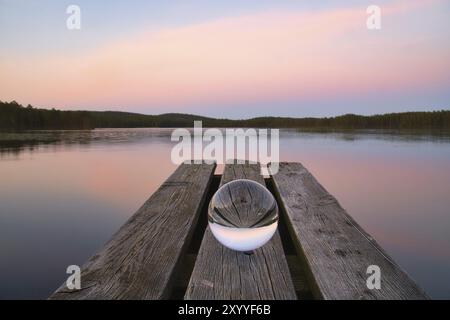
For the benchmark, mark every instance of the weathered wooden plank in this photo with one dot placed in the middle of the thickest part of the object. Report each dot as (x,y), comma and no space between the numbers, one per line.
(337,250)
(140,260)
(221,273)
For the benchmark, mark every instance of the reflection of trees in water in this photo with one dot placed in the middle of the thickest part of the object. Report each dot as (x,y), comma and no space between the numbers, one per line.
(350,135)
(17,143)
(29,141)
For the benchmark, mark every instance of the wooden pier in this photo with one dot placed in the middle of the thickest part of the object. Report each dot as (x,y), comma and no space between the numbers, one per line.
(166,250)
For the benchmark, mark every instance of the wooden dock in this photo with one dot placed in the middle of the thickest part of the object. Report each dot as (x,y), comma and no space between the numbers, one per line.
(166,250)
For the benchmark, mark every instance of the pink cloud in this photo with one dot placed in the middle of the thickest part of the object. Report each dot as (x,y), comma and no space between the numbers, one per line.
(266,56)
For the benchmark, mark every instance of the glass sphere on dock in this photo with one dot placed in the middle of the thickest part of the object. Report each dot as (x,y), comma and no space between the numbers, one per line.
(243,215)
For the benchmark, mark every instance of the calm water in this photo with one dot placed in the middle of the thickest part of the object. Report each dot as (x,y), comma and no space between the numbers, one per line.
(63,194)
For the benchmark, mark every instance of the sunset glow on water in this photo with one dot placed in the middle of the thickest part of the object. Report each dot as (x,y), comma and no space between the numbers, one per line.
(60,202)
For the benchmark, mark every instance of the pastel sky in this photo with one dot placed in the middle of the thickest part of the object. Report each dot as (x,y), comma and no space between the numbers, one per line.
(227,58)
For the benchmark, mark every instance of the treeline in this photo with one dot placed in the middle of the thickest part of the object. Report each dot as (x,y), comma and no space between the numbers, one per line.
(405,120)
(111,119)
(14,116)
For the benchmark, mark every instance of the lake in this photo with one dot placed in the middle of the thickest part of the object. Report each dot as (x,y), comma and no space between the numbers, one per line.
(64,193)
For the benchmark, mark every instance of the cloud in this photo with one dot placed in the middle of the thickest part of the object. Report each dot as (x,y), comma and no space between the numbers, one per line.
(261,57)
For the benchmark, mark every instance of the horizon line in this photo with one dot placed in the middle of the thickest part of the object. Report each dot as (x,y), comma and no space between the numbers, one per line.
(239,119)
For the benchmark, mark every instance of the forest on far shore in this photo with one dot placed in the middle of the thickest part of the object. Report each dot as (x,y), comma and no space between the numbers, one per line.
(14,116)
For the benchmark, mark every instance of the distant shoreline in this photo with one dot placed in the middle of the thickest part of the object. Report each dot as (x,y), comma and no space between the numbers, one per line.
(15,117)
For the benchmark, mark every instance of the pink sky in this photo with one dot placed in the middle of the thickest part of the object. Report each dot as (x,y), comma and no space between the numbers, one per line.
(267,56)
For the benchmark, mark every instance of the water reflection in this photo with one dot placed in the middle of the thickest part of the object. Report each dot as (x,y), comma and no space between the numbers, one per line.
(64,193)
(28,141)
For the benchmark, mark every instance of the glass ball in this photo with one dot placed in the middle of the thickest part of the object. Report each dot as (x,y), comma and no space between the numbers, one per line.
(243,215)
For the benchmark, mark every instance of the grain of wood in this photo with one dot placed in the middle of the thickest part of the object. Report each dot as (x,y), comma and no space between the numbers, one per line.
(221,273)
(141,259)
(337,250)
